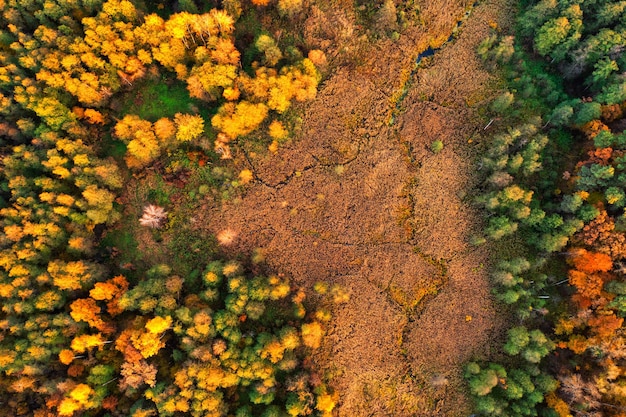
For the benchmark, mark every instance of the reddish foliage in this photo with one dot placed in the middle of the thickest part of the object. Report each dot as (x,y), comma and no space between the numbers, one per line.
(590,262)
(581,301)
(612,112)
(110,403)
(592,128)
(75,370)
(600,234)
(587,285)
(599,156)
(605,326)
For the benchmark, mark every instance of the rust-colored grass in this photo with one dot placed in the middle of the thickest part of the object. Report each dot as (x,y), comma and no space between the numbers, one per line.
(350,198)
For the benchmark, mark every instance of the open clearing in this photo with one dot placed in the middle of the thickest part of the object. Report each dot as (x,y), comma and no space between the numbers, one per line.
(359,201)
(368,206)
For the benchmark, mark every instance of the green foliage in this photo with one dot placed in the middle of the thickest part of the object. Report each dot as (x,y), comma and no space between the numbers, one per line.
(502,102)
(562,115)
(499,227)
(531,345)
(587,112)
(482,383)
(163,98)
(604,139)
(436,146)
(496,49)
(615,196)
(498,392)
(582,43)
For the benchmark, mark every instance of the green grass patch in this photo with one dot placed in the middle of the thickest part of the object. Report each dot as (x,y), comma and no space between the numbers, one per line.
(189,248)
(163,99)
(153,100)
(160,193)
(115,148)
(123,244)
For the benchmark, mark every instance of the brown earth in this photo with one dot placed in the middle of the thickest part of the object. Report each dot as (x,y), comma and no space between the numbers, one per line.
(355,201)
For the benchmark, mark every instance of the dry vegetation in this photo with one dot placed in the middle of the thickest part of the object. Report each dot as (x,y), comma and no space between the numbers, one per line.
(354,201)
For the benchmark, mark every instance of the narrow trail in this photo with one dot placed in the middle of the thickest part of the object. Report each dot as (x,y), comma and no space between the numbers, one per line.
(365,204)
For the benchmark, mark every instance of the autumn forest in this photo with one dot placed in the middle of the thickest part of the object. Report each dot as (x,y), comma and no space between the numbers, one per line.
(312,208)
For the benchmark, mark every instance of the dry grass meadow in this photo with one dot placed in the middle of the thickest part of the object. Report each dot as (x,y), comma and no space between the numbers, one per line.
(359,201)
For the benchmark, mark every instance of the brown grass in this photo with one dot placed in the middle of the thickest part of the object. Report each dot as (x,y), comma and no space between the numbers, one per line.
(355,202)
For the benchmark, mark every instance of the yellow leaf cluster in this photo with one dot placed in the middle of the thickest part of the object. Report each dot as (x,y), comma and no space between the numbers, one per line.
(80,397)
(159,324)
(325,403)
(239,119)
(164,129)
(70,275)
(188,127)
(66,356)
(277,130)
(147,343)
(103,291)
(85,342)
(312,334)
(86,309)
(144,139)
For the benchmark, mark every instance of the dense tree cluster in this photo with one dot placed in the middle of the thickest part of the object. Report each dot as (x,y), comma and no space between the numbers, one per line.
(77,338)
(221,349)
(63,68)
(568,105)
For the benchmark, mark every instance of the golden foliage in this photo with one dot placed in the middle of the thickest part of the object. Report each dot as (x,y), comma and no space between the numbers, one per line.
(246,176)
(68,406)
(318,58)
(86,309)
(159,324)
(592,128)
(94,116)
(147,343)
(103,291)
(276,130)
(70,275)
(558,405)
(188,127)
(240,119)
(85,342)
(325,403)
(66,356)
(164,129)
(312,334)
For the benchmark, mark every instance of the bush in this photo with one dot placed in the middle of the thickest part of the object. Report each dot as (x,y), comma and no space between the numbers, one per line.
(436,146)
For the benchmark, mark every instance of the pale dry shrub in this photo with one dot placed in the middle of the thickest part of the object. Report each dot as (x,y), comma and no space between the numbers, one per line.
(153,216)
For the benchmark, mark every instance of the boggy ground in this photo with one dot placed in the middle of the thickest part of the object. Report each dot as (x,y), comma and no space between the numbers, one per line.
(357,201)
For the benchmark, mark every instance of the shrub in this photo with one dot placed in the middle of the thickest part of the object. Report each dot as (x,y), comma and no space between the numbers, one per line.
(436,146)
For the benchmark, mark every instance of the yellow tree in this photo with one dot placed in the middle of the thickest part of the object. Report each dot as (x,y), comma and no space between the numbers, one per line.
(99,203)
(71,275)
(86,309)
(188,127)
(80,397)
(164,129)
(142,149)
(142,143)
(239,119)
